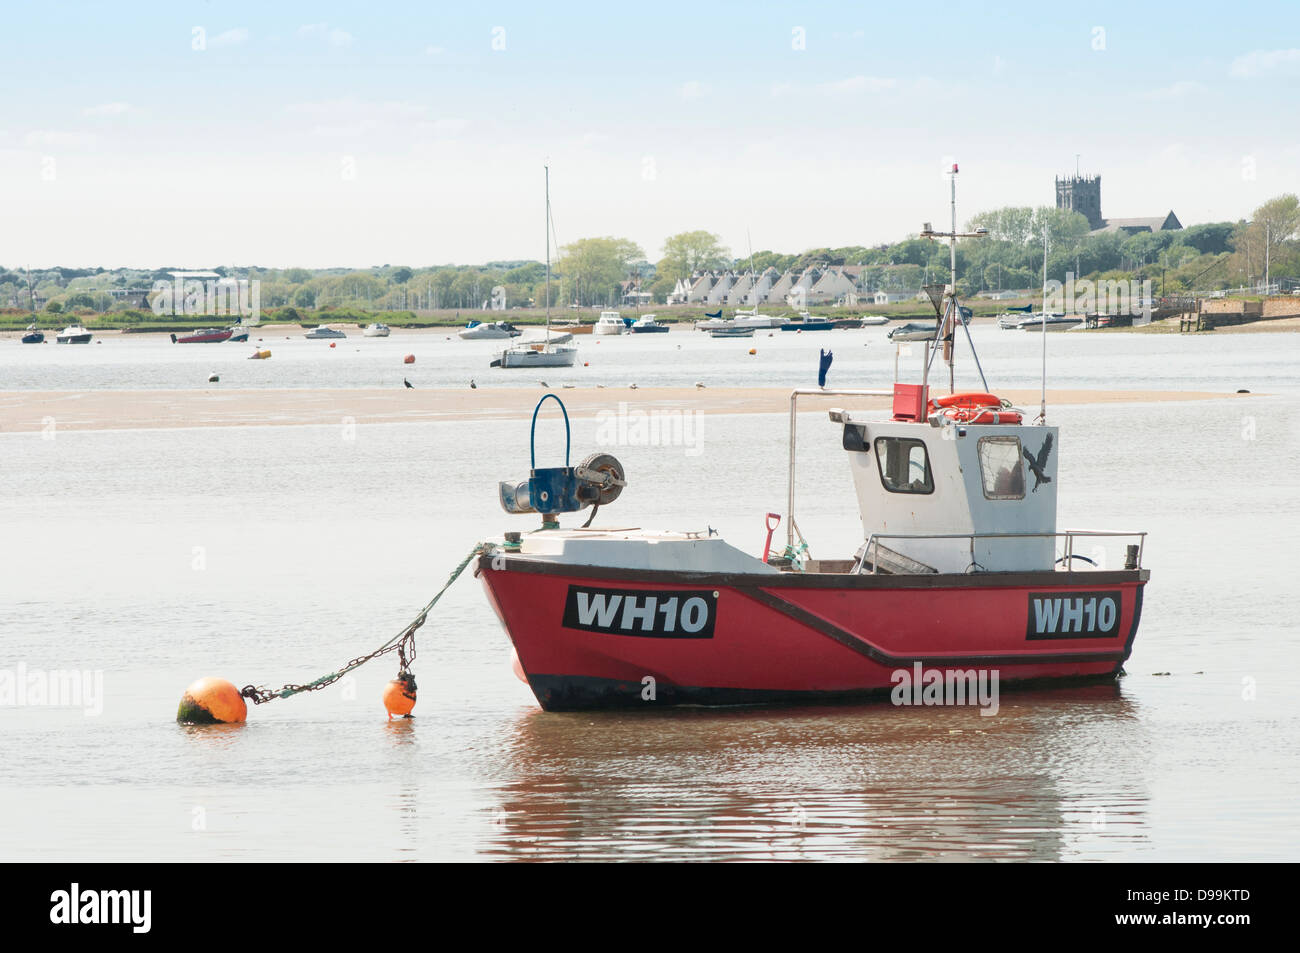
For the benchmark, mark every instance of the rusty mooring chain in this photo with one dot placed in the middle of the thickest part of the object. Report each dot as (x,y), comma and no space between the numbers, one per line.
(403,644)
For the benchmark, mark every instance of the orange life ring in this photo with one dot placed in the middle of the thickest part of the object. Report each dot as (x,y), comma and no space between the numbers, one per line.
(969,399)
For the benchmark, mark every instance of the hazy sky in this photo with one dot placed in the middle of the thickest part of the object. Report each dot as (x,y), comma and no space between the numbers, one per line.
(318,134)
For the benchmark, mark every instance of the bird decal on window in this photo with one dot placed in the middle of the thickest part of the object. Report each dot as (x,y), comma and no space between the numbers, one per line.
(1039,463)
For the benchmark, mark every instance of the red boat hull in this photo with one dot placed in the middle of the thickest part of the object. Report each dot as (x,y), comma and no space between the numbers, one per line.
(589,637)
(206,337)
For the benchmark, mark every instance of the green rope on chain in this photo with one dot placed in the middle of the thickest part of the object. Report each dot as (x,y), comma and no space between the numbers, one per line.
(259,695)
(794,553)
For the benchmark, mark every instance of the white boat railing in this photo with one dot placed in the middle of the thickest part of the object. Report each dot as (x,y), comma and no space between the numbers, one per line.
(873,544)
(791,527)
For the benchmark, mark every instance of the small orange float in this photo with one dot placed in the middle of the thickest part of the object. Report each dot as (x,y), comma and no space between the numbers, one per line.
(409,359)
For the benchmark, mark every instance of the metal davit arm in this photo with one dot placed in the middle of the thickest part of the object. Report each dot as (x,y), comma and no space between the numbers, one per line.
(794,400)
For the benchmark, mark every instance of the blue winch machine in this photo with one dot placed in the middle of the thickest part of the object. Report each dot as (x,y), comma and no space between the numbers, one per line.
(598,480)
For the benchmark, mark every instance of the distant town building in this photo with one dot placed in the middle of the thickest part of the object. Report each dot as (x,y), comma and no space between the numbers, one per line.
(1082,194)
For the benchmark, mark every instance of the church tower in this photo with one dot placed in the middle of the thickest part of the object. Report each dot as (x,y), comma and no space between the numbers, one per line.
(1081,194)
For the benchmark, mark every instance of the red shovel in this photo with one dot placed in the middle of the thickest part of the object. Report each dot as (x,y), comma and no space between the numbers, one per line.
(773,521)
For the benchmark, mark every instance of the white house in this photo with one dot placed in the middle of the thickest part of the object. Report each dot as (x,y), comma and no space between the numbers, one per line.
(718,291)
(889,297)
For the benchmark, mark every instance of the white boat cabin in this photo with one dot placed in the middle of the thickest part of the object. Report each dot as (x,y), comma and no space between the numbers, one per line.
(936,496)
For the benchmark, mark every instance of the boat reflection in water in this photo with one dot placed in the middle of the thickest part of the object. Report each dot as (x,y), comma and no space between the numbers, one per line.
(1053,776)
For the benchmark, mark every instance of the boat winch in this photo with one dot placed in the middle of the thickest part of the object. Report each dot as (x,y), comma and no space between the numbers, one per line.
(598,480)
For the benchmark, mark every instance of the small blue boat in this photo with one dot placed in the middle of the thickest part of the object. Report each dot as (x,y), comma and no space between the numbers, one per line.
(33,336)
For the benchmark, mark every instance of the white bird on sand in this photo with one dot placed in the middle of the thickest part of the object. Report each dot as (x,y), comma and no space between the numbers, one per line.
(567,386)
(633,386)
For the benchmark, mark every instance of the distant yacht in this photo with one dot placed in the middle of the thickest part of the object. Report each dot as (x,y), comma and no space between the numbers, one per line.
(611,322)
(477,330)
(74,334)
(553,350)
(376,330)
(647,324)
(913,331)
(324,332)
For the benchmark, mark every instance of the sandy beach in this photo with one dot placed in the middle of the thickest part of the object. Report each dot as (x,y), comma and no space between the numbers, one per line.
(32,411)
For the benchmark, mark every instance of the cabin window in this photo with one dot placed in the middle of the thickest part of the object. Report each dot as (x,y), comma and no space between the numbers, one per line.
(904,465)
(1002,468)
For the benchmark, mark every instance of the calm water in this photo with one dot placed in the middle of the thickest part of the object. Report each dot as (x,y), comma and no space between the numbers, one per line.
(272,555)
(863,358)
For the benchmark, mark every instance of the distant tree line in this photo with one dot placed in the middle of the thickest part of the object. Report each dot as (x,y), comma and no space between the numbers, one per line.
(595,271)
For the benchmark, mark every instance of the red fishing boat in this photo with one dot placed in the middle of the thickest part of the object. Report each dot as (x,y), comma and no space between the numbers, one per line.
(962,571)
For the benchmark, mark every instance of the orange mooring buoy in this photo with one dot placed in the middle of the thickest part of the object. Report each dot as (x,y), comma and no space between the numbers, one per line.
(753,350)
(409,359)
(211,701)
(399,695)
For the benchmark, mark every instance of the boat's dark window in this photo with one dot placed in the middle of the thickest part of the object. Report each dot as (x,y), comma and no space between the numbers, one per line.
(1001,468)
(904,465)
(855,438)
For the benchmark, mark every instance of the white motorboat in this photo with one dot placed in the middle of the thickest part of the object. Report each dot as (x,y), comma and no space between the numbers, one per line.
(741,319)
(376,330)
(611,322)
(324,332)
(874,320)
(647,324)
(1053,322)
(913,332)
(538,355)
(752,319)
(496,330)
(74,334)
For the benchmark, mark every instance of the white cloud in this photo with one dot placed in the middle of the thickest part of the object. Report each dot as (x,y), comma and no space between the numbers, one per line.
(1184,87)
(444,128)
(857,84)
(999,65)
(1261,62)
(57,139)
(782,89)
(107,109)
(692,89)
(351,108)
(230,37)
(434,51)
(323,31)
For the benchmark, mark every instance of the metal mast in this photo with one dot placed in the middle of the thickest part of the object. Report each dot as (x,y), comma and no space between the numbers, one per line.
(951,311)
